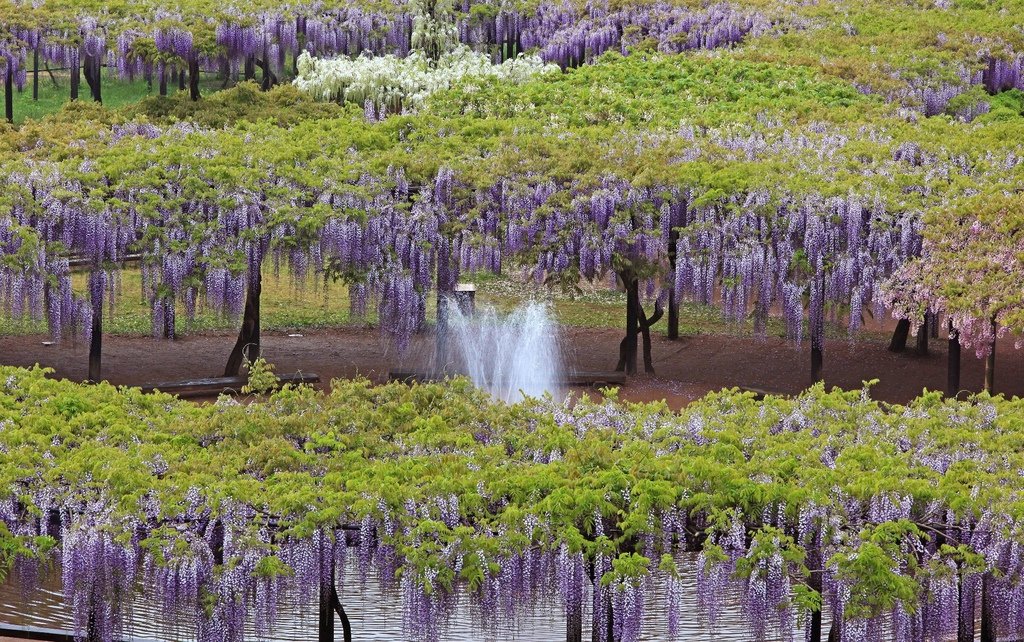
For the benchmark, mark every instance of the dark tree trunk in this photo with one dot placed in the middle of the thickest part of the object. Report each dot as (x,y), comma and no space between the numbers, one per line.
(899,336)
(269,79)
(76,75)
(922,336)
(988,620)
(817,360)
(217,545)
(628,347)
(934,325)
(247,347)
(9,96)
(645,330)
(814,582)
(990,363)
(953,363)
(35,73)
(833,632)
(574,623)
(96,342)
(181,80)
(673,304)
(163,81)
(91,68)
(225,72)
(249,71)
(965,618)
(346,626)
(193,77)
(325,627)
(329,606)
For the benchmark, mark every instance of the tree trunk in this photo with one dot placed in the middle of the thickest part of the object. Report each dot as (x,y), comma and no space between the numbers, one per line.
(346,626)
(269,79)
(9,95)
(673,304)
(92,68)
(325,627)
(988,621)
(163,81)
(922,335)
(645,330)
(96,342)
(814,582)
(329,606)
(574,623)
(193,77)
(965,616)
(250,68)
(247,347)
(76,75)
(990,363)
(833,632)
(817,360)
(628,348)
(899,336)
(953,363)
(35,73)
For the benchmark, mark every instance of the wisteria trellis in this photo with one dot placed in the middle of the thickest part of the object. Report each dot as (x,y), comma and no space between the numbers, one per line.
(905,556)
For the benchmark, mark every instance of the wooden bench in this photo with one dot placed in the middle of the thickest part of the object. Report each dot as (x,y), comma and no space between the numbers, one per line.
(211,386)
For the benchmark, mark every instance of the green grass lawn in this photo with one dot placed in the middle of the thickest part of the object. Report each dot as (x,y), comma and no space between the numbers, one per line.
(55,92)
(287,305)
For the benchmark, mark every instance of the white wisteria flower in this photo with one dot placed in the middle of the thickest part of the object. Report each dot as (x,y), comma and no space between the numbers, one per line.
(395,85)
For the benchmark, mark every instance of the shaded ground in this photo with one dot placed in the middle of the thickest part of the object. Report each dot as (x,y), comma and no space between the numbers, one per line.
(686,369)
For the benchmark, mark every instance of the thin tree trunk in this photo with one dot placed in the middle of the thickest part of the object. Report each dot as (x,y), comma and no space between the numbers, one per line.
(922,335)
(645,330)
(97,90)
(9,95)
(899,336)
(988,620)
(96,342)
(193,77)
(574,623)
(673,304)
(965,615)
(35,73)
(814,582)
(628,348)
(346,626)
(250,68)
(325,626)
(990,363)
(181,80)
(76,75)
(833,632)
(163,80)
(953,363)
(247,347)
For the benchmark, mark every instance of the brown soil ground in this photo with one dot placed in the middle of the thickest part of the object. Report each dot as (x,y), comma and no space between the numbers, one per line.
(686,369)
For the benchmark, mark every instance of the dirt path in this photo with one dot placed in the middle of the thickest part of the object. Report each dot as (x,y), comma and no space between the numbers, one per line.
(687,368)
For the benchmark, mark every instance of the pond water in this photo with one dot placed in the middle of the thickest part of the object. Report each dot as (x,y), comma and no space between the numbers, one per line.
(375,615)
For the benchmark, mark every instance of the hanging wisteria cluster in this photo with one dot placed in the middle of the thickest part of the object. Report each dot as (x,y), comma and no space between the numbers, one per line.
(906,557)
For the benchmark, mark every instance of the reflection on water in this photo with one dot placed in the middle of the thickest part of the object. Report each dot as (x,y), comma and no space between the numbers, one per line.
(375,615)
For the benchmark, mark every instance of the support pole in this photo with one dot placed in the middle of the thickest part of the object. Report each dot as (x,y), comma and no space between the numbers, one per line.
(953,363)
(96,341)
(35,73)
(193,77)
(990,362)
